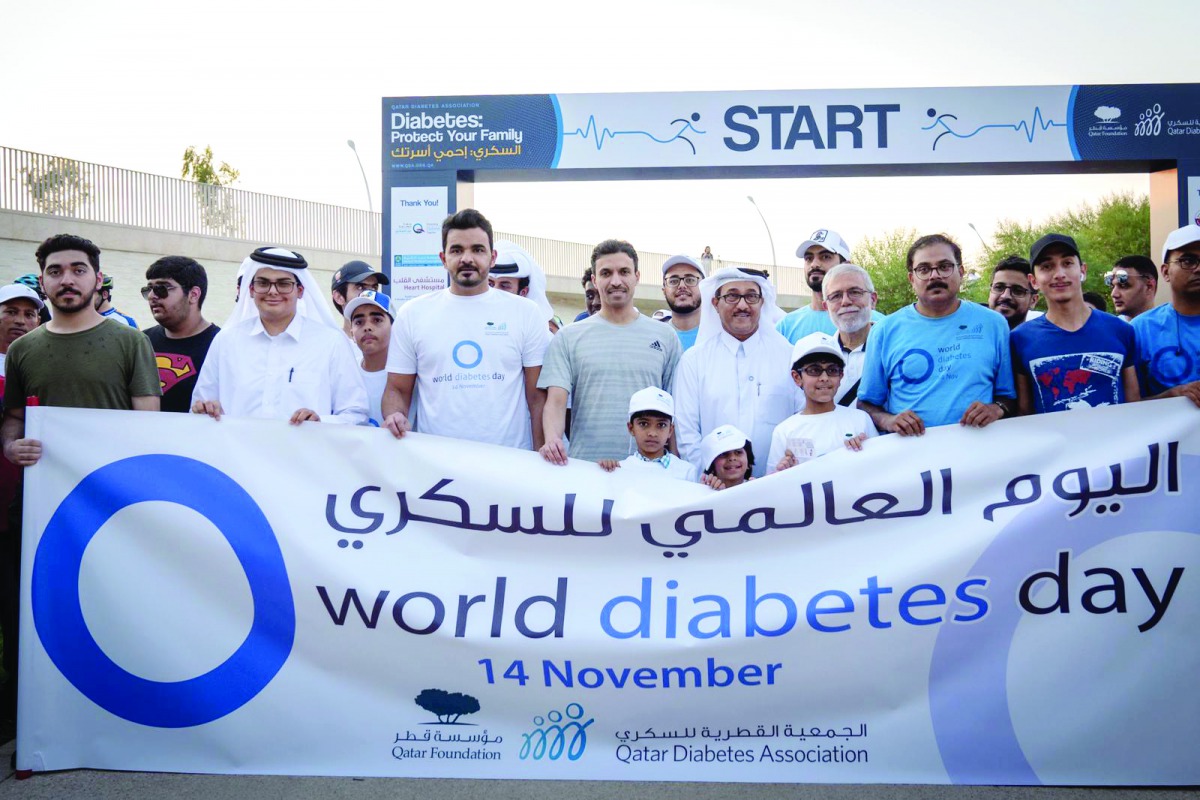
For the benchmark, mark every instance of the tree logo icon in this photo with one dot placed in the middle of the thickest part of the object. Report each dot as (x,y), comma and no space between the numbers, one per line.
(447,706)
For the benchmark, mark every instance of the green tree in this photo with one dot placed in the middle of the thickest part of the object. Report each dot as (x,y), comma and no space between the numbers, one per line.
(1119,225)
(56,185)
(884,257)
(218,205)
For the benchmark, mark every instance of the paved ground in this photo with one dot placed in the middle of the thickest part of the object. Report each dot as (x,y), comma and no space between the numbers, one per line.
(98,785)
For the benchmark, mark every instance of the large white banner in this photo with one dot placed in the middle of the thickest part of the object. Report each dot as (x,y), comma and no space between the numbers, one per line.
(1016,605)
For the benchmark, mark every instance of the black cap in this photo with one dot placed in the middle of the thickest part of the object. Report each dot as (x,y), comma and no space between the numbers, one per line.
(1041,244)
(355,272)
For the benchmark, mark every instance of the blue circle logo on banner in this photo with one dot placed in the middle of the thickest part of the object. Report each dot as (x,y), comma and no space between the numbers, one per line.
(58,615)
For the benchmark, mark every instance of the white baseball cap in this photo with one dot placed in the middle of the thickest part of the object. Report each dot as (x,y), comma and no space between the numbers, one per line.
(652,399)
(373,298)
(817,344)
(1180,238)
(675,261)
(720,440)
(19,291)
(829,239)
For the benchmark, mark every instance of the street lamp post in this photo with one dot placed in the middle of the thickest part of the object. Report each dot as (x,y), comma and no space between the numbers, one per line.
(770,238)
(367,186)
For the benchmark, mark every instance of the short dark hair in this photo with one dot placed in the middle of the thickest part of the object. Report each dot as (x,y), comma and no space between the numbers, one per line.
(1139,264)
(1013,264)
(67,241)
(816,358)
(749,448)
(185,271)
(1096,299)
(611,246)
(929,241)
(589,275)
(651,414)
(465,220)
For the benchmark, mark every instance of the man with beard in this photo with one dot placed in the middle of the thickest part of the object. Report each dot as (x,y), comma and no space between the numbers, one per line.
(1168,337)
(739,372)
(472,353)
(681,289)
(78,359)
(1012,295)
(1134,284)
(821,252)
(940,360)
(601,361)
(175,289)
(849,299)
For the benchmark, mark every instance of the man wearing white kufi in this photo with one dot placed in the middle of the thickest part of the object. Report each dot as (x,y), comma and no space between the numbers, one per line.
(517,273)
(738,372)
(280,355)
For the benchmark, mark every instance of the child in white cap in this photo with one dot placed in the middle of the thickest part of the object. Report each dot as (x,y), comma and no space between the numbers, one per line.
(728,458)
(823,426)
(651,423)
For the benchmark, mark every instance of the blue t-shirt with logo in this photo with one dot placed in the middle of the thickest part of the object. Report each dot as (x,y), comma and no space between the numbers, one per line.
(803,321)
(1074,369)
(1168,346)
(937,367)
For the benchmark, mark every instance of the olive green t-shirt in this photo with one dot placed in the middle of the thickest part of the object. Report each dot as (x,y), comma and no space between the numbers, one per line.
(102,367)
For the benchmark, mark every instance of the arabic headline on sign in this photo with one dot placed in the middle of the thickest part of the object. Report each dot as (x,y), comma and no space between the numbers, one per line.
(670,609)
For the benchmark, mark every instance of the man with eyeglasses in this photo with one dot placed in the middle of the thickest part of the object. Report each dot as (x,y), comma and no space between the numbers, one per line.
(1168,336)
(1073,357)
(175,289)
(739,372)
(1012,296)
(681,289)
(823,250)
(849,299)
(277,358)
(940,360)
(1133,282)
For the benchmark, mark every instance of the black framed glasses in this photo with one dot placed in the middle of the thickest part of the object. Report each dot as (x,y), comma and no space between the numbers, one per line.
(1018,292)
(816,370)
(833,298)
(686,280)
(943,270)
(733,298)
(1186,262)
(159,290)
(283,285)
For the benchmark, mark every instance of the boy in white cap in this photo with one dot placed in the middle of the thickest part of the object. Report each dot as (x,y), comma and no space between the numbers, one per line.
(651,411)
(823,426)
(1168,337)
(280,356)
(369,316)
(728,458)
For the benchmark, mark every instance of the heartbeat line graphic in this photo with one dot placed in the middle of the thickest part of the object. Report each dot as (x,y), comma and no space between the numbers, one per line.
(601,135)
(1028,128)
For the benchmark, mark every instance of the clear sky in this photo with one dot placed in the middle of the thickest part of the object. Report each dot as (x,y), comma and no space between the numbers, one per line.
(277,89)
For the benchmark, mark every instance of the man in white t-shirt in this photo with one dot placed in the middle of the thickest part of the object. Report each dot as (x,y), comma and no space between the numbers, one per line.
(472,353)
(369,316)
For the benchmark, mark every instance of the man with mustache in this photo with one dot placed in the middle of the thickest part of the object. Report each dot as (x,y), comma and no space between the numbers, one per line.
(821,252)
(739,372)
(940,360)
(601,361)
(681,289)
(849,300)
(1168,336)
(1012,296)
(1073,357)
(175,289)
(78,359)
(20,309)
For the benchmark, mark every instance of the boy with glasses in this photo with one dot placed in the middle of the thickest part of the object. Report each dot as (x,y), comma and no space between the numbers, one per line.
(823,426)
(175,289)
(278,359)
(940,360)
(1168,337)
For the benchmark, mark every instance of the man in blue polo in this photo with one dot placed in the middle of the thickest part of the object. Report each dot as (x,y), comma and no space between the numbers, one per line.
(940,360)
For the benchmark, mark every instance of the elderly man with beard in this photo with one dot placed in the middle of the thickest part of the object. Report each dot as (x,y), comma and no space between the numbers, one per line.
(1012,294)
(681,289)
(821,252)
(940,360)
(850,298)
(1168,337)
(739,372)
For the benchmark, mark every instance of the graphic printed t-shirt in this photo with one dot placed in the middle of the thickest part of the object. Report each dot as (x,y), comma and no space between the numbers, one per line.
(1168,349)
(469,354)
(1074,369)
(179,362)
(603,364)
(938,366)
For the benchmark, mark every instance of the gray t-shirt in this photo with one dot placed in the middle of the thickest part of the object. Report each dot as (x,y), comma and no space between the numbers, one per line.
(602,365)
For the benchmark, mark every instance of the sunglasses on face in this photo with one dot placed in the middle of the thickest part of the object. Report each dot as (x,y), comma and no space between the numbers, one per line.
(159,290)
